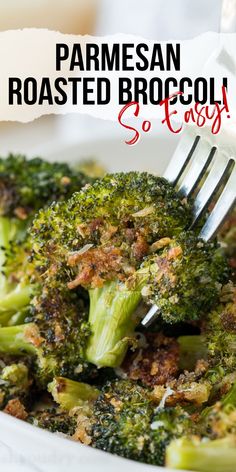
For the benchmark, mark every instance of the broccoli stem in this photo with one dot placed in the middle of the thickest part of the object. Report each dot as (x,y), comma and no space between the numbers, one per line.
(5,231)
(69,394)
(207,456)
(12,296)
(13,306)
(13,340)
(18,317)
(5,318)
(12,318)
(192,348)
(15,299)
(112,322)
(9,228)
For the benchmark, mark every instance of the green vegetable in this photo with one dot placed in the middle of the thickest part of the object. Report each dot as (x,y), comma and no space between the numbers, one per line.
(70,394)
(213,446)
(15,382)
(122,240)
(123,419)
(53,420)
(204,456)
(25,187)
(56,336)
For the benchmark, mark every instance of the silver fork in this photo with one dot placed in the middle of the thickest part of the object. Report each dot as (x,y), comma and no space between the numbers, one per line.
(199,155)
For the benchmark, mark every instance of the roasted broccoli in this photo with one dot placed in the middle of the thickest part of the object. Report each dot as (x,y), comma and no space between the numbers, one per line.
(207,366)
(16,386)
(219,331)
(122,419)
(219,420)
(25,187)
(56,337)
(189,272)
(126,422)
(217,342)
(53,420)
(122,239)
(212,448)
(55,333)
(77,274)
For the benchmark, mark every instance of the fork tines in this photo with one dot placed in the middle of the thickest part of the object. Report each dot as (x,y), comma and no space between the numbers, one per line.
(204,166)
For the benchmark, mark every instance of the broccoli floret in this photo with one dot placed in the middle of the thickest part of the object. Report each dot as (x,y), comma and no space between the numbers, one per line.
(212,448)
(122,419)
(25,186)
(219,420)
(207,361)
(15,382)
(53,420)
(75,400)
(55,333)
(56,337)
(126,422)
(217,341)
(189,272)
(104,239)
(219,331)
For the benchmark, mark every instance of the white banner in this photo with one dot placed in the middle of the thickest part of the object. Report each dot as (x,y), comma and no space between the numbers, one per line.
(44,72)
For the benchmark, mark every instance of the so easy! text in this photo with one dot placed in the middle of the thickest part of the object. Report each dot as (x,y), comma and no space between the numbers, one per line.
(198,114)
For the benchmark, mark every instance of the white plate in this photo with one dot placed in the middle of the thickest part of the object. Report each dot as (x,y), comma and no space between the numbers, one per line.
(31,448)
(49,452)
